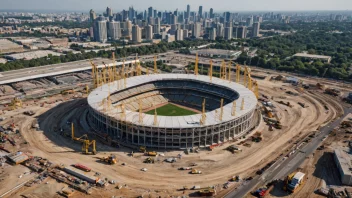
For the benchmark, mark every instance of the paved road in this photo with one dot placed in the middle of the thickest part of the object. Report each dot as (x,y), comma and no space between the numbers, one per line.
(285,166)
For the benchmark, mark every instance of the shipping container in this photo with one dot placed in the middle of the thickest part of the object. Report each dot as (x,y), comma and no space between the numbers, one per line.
(82,167)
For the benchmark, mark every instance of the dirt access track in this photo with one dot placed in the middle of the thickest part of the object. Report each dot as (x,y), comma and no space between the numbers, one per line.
(164,179)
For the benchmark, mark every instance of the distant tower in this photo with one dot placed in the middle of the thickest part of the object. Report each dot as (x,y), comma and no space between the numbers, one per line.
(92,15)
(100,29)
(212,34)
(200,12)
(149,32)
(150,12)
(196,30)
(108,12)
(114,30)
(256,29)
(211,13)
(136,34)
(179,35)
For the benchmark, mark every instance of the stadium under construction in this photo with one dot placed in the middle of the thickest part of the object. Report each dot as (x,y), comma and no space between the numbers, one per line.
(227,108)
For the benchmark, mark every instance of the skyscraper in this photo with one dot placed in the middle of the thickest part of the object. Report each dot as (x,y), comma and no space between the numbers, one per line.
(185,34)
(173,19)
(179,35)
(114,30)
(249,21)
(100,30)
(188,11)
(150,12)
(131,13)
(108,12)
(196,30)
(136,34)
(256,29)
(228,33)
(156,28)
(242,32)
(212,34)
(211,13)
(92,15)
(149,32)
(200,12)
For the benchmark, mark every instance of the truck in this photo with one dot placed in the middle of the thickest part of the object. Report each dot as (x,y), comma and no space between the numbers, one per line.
(207,192)
(293,181)
(153,153)
(82,167)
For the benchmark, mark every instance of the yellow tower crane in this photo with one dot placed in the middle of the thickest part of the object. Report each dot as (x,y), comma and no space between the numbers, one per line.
(229,71)
(221,109)
(238,73)
(204,116)
(242,104)
(233,110)
(155,117)
(155,66)
(211,70)
(196,65)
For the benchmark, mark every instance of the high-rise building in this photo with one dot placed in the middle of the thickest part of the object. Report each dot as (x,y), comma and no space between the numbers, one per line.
(156,27)
(136,34)
(149,32)
(155,13)
(196,30)
(249,21)
(108,12)
(220,30)
(92,15)
(256,29)
(228,17)
(179,35)
(173,19)
(212,34)
(100,29)
(188,11)
(228,33)
(242,32)
(211,13)
(185,33)
(151,21)
(200,12)
(150,12)
(114,30)
(131,13)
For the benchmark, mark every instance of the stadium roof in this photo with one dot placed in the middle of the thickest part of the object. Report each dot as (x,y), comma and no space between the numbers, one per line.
(212,117)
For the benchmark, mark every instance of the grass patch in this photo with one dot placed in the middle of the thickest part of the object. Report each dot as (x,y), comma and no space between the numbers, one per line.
(171,110)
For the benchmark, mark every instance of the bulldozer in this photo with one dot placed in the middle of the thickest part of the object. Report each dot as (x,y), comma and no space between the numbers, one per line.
(142,149)
(149,160)
(110,160)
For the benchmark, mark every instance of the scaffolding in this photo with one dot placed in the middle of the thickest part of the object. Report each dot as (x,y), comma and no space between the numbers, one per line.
(221,109)
(204,116)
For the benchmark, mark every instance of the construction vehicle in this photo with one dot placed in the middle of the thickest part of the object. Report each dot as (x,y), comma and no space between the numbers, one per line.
(195,171)
(29,113)
(149,160)
(235,178)
(142,149)
(15,103)
(207,192)
(85,142)
(320,86)
(287,104)
(233,149)
(333,92)
(293,181)
(302,104)
(110,160)
(153,153)
(70,91)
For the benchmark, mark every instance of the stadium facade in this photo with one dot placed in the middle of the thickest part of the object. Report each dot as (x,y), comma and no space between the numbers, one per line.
(116,111)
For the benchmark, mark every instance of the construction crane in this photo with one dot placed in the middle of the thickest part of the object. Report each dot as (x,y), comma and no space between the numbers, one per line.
(211,70)
(155,66)
(86,145)
(196,65)
(204,116)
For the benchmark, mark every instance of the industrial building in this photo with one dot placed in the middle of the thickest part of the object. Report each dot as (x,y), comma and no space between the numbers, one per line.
(217,53)
(32,55)
(343,160)
(122,118)
(7,46)
(326,59)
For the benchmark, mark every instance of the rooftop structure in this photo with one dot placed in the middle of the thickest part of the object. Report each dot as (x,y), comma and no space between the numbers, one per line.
(7,46)
(313,56)
(343,160)
(32,55)
(217,52)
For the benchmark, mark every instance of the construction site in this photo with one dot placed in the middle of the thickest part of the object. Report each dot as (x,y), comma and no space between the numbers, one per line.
(86,132)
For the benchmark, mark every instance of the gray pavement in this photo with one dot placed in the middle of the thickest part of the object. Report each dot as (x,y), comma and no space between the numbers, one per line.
(285,166)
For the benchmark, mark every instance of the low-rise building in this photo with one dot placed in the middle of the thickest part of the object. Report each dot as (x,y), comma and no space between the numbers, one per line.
(343,160)
(314,56)
(7,46)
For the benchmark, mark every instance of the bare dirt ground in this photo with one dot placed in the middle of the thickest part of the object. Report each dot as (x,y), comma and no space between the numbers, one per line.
(163,179)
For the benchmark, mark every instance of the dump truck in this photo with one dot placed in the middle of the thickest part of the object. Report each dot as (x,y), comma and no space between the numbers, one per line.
(293,181)
(110,160)
(195,171)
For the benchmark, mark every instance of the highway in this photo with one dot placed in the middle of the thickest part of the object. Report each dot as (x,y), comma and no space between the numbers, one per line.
(285,165)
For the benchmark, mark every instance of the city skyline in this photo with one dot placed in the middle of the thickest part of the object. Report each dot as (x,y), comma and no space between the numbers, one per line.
(219,6)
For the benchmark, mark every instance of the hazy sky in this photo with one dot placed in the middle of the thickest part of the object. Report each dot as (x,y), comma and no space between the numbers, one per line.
(218,5)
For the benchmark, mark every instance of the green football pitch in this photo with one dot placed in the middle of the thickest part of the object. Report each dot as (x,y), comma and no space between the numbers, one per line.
(171,110)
